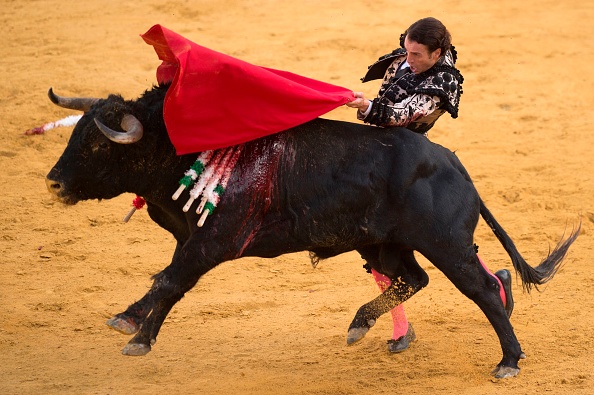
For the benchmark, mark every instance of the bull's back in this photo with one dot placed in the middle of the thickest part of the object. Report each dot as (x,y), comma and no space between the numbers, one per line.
(340,185)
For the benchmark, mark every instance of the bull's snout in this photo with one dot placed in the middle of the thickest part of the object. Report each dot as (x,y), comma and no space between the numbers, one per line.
(54,187)
(59,191)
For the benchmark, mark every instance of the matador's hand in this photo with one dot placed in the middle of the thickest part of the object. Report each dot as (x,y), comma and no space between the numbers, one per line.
(360,101)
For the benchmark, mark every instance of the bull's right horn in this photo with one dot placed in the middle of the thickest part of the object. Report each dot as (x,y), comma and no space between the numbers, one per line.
(73,103)
(130,124)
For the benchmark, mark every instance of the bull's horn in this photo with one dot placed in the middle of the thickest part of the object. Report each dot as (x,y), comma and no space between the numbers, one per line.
(130,124)
(73,103)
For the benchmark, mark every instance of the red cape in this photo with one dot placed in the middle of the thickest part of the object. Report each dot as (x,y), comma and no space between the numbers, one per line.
(217,101)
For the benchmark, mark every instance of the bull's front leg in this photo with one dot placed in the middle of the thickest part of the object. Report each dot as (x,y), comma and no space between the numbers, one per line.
(130,321)
(169,286)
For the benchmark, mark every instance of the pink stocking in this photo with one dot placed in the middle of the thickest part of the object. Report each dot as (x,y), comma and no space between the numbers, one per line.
(501,290)
(399,320)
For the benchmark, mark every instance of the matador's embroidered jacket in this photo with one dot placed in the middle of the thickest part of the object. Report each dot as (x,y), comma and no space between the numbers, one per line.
(413,101)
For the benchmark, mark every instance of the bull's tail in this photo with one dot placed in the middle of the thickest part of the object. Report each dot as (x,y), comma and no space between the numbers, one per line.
(531,276)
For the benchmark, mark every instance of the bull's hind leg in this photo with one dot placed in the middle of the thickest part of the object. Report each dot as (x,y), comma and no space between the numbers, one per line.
(465,271)
(407,278)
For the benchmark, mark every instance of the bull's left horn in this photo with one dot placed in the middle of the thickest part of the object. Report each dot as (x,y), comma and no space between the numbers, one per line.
(130,124)
(73,103)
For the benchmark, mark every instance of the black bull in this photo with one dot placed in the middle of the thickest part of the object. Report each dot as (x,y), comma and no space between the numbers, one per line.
(326,186)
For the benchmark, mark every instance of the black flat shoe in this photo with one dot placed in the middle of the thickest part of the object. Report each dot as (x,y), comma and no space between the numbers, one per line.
(402,342)
(505,278)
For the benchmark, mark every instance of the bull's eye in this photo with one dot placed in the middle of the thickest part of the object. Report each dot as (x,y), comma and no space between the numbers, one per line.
(102,146)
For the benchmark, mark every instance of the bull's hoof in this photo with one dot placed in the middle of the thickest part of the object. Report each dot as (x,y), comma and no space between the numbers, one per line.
(136,349)
(356,334)
(503,372)
(122,326)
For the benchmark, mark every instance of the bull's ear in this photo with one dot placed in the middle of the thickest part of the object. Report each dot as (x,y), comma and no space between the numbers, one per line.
(132,126)
(73,103)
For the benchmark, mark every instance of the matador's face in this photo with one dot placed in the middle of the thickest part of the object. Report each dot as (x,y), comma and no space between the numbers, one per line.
(418,56)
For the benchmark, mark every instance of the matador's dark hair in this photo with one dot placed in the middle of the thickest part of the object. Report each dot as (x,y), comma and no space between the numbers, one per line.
(430,32)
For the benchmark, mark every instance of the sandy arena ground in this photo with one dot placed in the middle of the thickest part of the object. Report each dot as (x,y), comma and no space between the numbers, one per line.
(276,326)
